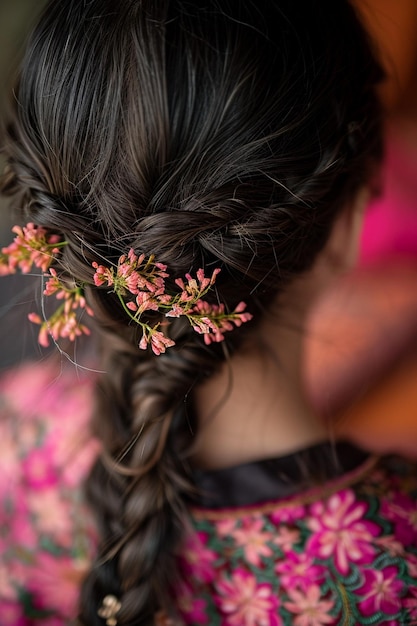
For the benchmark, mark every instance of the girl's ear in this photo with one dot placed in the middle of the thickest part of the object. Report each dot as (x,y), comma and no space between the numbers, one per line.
(342,248)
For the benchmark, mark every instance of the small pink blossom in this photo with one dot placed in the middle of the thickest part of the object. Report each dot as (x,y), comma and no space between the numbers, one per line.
(46,395)
(55,583)
(52,513)
(309,607)
(341,531)
(62,323)
(286,538)
(53,285)
(389,544)
(31,246)
(12,613)
(381,591)
(176,311)
(402,511)
(412,565)
(298,570)
(5,266)
(245,602)
(103,275)
(79,463)
(22,531)
(157,340)
(144,302)
(38,469)
(288,514)
(212,321)
(146,280)
(8,591)
(252,537)
(134,274)
(197,560)
(10,466)
(225,527)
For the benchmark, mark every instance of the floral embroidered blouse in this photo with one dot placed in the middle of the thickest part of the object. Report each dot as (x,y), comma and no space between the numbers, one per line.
(268,548)
(267,551)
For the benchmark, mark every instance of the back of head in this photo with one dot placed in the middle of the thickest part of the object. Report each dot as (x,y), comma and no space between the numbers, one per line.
(209,134)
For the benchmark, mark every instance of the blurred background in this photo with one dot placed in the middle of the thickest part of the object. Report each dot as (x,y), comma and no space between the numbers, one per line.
(17,338)
(361,342)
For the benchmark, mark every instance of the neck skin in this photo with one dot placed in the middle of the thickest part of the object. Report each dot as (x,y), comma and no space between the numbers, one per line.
(255,407)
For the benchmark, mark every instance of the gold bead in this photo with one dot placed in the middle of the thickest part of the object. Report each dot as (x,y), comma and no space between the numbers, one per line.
(109,609)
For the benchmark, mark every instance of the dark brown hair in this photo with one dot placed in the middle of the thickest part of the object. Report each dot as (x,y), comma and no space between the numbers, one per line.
(219,133)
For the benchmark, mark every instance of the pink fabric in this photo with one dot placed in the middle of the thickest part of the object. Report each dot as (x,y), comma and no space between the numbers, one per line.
(390,228)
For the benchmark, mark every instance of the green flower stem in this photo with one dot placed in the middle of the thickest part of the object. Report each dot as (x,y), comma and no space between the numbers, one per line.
(135,318)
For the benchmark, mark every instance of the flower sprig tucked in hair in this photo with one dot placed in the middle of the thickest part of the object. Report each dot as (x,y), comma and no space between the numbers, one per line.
(63,322)
(139,284)
(145,280)
(34,246)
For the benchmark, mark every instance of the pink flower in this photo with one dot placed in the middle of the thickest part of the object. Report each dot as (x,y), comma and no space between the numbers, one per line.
(212,321)
(79,463)
(10,466)
(192,609)
(134,274)
(176,311)
(12,613)
(157,340)
(389,544)
(402,511)
(43,337)
(144,302)
(16,569)
(341,532)
(310,609)
(55,581)
(286,538)
(412,565)
(37,394)
(245,602)
(8,590)
(225,527)
(62,323)
(298,570)
(145,279)
(253,539)
(32,246)
(240,316)
(52,515)
(197,560)
(39,471)
(195,289)
(53,285)
(22,529)
(103,275)
(288,514)
(381,591)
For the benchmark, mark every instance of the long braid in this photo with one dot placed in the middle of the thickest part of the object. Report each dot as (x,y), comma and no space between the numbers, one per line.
(200,133)
(146,479)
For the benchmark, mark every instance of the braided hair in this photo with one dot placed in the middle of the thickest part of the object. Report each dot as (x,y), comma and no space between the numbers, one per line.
(219,133)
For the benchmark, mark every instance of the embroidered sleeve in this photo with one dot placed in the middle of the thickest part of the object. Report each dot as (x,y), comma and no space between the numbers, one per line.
(349,557)
(46,533)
